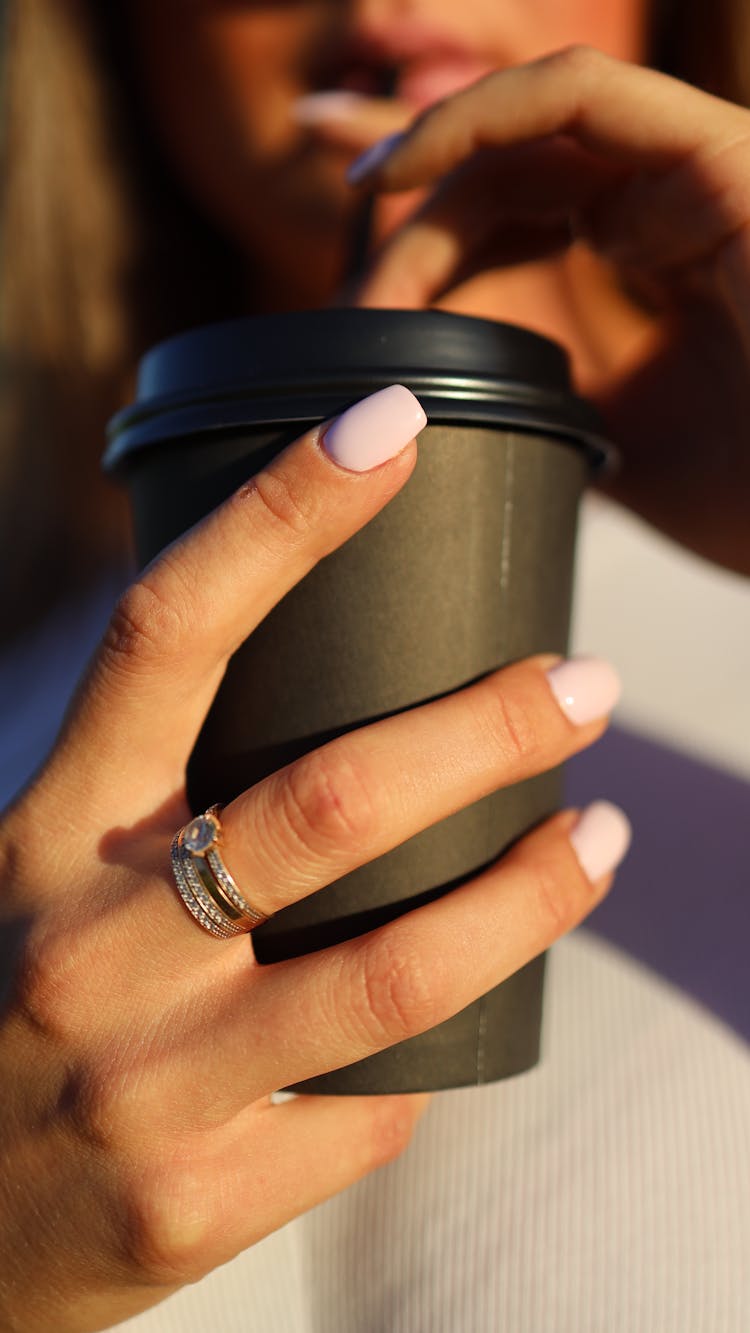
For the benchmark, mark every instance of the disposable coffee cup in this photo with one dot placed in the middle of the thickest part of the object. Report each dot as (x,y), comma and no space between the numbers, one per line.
(469,567)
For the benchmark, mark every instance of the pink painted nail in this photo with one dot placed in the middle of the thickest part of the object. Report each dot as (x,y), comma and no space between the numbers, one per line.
(586,688)
(316,108)
(375,429)
(601,838)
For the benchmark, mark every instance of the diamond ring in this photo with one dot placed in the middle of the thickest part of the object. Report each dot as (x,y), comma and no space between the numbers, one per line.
(203,882)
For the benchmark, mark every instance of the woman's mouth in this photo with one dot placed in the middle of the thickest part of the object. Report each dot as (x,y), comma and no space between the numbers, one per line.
(413,64)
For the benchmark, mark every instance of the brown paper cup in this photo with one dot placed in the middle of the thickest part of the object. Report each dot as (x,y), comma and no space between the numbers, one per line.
(467,568)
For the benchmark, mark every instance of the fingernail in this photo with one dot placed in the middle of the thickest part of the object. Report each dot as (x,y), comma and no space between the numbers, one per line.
(601,838)
(373,158)
(586,688)
(375,429)
(317,107)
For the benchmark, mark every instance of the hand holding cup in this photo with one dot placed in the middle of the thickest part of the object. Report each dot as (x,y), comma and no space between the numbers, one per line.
(138,1052)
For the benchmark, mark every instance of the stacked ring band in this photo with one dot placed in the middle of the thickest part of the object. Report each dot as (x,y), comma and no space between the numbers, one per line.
(204,883)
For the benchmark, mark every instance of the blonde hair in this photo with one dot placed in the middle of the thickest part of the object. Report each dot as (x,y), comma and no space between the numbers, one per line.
(97,246)
(96,239)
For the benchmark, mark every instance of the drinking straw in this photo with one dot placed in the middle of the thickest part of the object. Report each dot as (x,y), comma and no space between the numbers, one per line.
(361,235)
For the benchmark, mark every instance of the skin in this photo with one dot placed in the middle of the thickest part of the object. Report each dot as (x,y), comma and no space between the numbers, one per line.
(141,1148)
(653,176)
(137,1052)
(637,335)
(237,142)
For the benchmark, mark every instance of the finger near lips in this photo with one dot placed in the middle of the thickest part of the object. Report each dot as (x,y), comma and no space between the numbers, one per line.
(641,158)
(632,115)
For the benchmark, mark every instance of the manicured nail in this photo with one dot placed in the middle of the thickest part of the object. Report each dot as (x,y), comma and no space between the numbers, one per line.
(375,429)
(315,108)
(373,158)
(586,688)
(601,838)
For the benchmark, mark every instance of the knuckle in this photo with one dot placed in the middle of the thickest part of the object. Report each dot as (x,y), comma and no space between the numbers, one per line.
(556,896)
(47,989)
(144,626)
(328,804)
(102,1110)
(168,1226)
(510,723)
(24,856)
(286,506)
(577,60)
(102,1088)
(395,996)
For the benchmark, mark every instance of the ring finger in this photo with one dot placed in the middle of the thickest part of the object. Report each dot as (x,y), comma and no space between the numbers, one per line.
(368,791)
(361,795)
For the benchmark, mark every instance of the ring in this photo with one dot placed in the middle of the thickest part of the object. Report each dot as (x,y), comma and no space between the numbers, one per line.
(203,882)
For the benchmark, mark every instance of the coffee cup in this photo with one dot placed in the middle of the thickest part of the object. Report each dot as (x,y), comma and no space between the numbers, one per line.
(468,568)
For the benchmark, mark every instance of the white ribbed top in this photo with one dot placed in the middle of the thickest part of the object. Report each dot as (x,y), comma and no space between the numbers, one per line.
(607,1191)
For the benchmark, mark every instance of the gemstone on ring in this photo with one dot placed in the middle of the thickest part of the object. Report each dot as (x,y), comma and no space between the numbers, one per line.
(203,881)
(200,834)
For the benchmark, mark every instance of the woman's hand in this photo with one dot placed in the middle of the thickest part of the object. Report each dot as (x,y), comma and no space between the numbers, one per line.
(140,1146)
(654,176)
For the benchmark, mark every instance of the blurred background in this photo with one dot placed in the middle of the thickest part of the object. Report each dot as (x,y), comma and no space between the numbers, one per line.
(678,756)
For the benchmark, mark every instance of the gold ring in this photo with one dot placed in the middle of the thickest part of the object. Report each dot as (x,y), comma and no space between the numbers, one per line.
(205,885)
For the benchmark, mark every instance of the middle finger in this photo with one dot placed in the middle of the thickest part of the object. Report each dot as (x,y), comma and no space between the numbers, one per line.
(368,791)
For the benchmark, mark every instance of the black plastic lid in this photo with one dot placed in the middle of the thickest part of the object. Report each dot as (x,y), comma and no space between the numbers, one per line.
(305,366)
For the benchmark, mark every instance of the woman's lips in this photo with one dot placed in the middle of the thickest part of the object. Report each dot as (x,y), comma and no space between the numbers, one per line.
(421,85)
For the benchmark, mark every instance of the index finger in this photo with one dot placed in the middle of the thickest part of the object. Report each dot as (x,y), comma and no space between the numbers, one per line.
(149,688)
(609,106)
